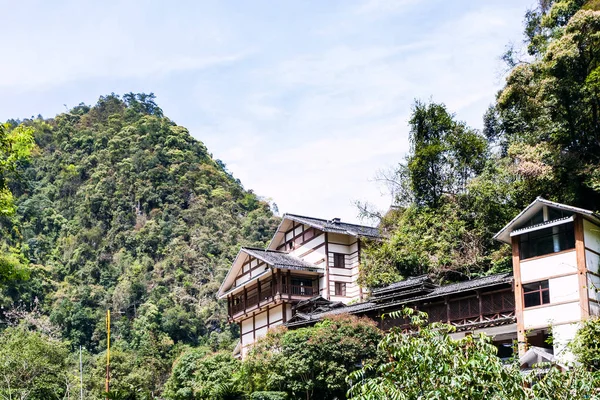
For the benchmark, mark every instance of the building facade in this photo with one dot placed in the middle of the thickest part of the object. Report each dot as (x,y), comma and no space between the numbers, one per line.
(307,258)
(555,253)
(310,270)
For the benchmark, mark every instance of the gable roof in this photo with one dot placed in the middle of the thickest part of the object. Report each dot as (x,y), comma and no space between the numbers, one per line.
(273,259)
(333,226)
(280,259)
(504,234)
(336,226)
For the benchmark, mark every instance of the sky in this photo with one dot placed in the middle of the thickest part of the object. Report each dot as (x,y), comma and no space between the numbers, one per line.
(303,100)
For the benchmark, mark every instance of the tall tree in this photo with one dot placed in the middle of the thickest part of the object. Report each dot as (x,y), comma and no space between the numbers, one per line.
(445,153)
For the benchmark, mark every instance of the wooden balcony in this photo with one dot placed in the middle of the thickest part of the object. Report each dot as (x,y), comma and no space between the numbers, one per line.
(466,313)
(266,292)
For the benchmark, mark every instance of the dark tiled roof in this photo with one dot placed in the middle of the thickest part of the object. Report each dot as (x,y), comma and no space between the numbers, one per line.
(279,259)
(439,291)
(336,226)
(405,284)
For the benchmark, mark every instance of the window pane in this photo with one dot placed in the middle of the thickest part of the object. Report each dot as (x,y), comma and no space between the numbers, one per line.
(546,297)
(547,241)
(532,299)
(544,284)
(532,287)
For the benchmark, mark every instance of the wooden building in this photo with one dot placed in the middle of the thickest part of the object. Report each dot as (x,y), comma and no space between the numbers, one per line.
(310,269)
(307,257)
(556,253)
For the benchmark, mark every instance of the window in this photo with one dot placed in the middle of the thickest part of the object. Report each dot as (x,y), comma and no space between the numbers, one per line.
(339,260)
(340,288)
(547,241)
(536,293)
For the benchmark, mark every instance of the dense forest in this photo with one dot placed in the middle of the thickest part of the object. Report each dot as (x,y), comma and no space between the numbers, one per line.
(119,208)
(114,206)
(459,186)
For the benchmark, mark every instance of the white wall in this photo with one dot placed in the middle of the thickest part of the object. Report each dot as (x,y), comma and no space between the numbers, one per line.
(551,315)
(562,335)
(544,267)
(591,236)
(565,288)
(348,245)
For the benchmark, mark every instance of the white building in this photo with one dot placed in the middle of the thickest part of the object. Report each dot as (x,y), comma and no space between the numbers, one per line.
(311,267)
(556,253)
(307,257)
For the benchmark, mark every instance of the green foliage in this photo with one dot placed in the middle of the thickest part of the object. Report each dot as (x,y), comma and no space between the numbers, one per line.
(120,208)
(197,374)
(312,362)
(547,115)
(444,153)
(16,145)
(543,139)
(268,396)
(32,366)
(430,364)
(586,345)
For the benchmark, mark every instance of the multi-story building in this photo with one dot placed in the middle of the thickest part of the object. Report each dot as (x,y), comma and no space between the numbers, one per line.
(310,271)
(307,257)
(555,255)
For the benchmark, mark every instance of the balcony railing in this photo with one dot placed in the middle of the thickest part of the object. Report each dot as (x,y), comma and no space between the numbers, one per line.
(267,293)
(489,309)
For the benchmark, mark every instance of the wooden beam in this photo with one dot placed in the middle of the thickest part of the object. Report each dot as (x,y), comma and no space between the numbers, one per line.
(519,303)
(360,291)
(327,289)
(584,298)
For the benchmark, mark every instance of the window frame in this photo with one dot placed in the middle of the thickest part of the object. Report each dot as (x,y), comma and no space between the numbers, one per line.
(543,287)
(338,256)
(566,233)
(342,289)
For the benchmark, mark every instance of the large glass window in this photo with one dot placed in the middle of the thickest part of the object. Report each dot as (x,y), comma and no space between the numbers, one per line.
(536,293)
(547,241)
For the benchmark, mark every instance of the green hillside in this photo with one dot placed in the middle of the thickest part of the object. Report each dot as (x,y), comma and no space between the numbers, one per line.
(121,208)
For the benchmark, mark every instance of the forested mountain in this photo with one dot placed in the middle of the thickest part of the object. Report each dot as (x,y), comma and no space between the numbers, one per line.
(117,207)
(121,208)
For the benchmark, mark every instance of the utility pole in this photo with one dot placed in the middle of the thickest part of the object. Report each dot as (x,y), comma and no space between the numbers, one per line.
(80,375)
(107,352)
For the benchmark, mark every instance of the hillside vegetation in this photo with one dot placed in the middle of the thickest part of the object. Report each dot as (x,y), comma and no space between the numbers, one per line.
(459,186)
(119,208)
(116,207)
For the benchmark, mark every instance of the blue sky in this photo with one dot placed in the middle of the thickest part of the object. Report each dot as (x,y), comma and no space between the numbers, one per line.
(303,100)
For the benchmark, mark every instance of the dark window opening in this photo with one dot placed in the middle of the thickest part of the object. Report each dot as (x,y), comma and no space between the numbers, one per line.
(339,260)
(536,294)
(547,241)
(538,218)
(340,288)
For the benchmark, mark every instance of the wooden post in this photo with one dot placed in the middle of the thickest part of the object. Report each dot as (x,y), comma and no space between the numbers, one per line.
(584,298)
(288,284)
(521,338)
(259,296)
(279,281)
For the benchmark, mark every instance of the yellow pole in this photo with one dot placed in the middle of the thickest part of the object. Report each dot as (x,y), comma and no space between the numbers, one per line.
(107,351)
